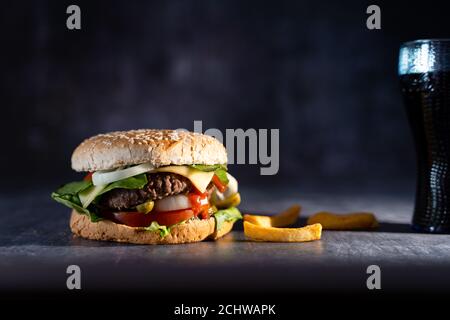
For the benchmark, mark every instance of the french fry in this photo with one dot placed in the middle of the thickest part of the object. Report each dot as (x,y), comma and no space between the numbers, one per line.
(263,221)
(260,233)
(282,219)
(286,217)
(350,221)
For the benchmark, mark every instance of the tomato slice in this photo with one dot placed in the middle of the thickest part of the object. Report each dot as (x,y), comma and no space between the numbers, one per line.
(132,219)
(138,219)
(88,177)
(169,218)
(219,185)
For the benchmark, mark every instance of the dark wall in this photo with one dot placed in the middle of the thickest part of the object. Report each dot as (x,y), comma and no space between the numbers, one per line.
(310,68)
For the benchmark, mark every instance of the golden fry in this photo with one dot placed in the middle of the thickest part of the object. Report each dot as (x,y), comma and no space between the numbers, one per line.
(282,219)
(350,221)
(259,233)
(263,221)
(286,217)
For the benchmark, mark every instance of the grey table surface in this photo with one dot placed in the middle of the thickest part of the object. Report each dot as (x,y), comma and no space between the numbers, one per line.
(36,247)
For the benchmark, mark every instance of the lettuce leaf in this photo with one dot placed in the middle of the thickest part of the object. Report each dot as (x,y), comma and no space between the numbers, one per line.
(208,168)
(155,227)
(68,194)
(222,175)
(220,170)
(69,201)
(163,230)
(230,214)
(74,188)
(73,202)
(136,182)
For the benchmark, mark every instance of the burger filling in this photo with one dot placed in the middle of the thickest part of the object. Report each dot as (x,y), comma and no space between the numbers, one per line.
(159,186)
(157,199)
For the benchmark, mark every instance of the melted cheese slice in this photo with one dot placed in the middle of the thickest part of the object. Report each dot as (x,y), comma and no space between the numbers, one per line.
(199,179)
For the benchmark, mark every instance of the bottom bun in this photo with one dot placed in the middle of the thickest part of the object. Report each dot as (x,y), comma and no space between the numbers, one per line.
(191,231)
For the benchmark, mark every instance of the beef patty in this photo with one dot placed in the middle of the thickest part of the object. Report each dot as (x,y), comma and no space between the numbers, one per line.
(160,185)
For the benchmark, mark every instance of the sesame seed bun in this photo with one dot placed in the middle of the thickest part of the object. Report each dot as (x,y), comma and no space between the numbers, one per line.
(191,231)
(159,147)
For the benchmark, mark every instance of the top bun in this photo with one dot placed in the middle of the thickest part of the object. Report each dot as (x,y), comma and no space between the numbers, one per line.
(159,147)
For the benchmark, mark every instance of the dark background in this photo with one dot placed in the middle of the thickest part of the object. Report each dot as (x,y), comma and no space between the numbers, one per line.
(310,68)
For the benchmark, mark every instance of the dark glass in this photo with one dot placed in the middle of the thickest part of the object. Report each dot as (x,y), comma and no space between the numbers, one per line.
(425,83)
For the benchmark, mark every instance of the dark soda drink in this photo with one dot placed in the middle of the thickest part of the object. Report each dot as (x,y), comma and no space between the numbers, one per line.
(424,69)
(427,101)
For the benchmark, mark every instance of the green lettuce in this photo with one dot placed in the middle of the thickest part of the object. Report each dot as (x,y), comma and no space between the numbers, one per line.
(68,194)
(74,188)
(208,168)
(155,227)
(230,214)
(136,182)
(220,170)
(222,175)
(70,201)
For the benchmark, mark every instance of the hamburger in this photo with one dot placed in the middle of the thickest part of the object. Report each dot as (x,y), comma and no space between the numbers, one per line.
(151,187)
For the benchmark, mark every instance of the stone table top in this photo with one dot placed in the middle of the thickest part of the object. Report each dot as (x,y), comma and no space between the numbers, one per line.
(36,246)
